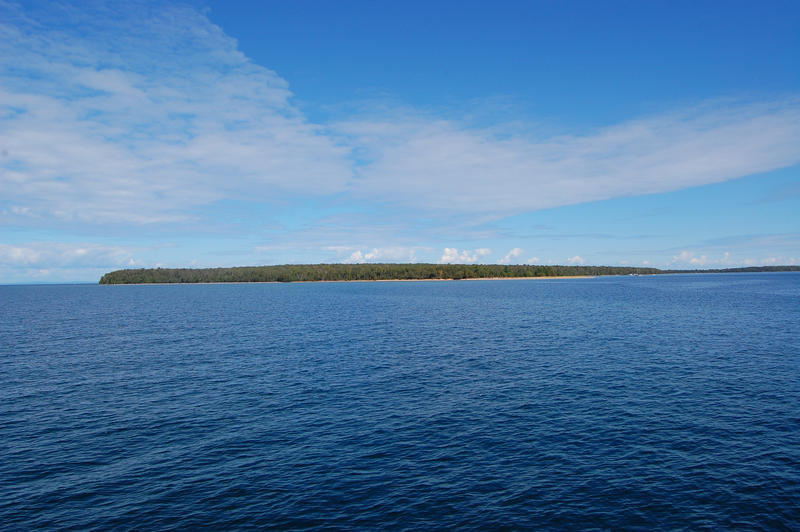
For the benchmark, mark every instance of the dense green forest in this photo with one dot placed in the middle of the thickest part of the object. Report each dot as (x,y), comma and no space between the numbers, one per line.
(377,272)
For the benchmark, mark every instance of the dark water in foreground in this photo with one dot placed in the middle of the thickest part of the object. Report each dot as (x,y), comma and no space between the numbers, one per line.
(628,402)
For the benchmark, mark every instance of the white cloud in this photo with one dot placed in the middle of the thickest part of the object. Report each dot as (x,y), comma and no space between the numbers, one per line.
(510,256)
(55,254)
(386,254)
(453,256)
(577,260)
(689,258)
(138,115)
(446,166)
(355,258)
(533,260)
(772,261)
(683,256)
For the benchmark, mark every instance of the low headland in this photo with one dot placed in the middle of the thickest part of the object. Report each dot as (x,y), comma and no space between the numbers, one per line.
(288,273)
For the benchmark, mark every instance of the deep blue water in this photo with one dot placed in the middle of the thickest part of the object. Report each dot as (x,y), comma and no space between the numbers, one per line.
(662,402)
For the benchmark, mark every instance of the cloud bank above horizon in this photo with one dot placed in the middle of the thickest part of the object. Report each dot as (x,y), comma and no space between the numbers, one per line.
(141,114)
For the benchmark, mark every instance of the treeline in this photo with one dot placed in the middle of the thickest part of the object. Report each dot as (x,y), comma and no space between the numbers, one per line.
(355,272)
(382,272)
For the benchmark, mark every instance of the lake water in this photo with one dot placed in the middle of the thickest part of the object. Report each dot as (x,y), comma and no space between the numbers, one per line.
(622,402)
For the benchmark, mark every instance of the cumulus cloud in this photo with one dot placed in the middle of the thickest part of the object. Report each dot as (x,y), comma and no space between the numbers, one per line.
(510,256)
(576,260)
(115,112)
(688,257)
(355,258)
(386,254)
(453,256)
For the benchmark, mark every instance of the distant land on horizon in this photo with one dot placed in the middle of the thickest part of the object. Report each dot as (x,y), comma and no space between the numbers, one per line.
(387,272)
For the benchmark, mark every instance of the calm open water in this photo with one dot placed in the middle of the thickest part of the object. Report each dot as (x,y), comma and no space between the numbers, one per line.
(662,402)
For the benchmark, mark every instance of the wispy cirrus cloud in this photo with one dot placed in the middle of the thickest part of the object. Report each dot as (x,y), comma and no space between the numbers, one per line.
(58,254)
(445,166)
(138,112)
(142,112)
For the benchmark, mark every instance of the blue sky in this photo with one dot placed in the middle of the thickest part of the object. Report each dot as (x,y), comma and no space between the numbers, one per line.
(211,133)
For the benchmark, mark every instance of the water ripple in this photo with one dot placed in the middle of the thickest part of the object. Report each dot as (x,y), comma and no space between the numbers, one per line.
(669,402)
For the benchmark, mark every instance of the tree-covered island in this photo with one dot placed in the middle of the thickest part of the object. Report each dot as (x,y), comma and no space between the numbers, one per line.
(383,272)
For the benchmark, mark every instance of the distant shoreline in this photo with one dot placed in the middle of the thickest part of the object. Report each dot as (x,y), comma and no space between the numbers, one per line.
(305,273)
(552,277)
